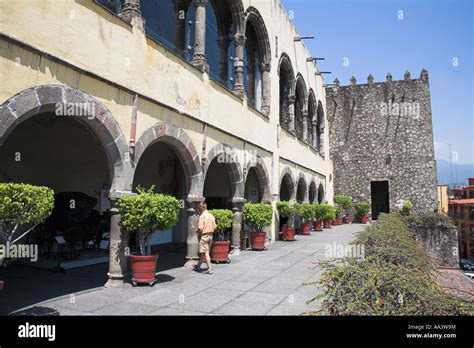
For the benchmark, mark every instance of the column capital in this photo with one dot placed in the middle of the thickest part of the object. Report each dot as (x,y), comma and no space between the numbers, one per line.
(291,98)
(239,39)
(201,3)
(132,14)
(265,67)
(115,195)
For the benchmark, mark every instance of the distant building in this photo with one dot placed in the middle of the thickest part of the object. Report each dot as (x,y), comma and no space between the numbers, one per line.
(461,208)
(443,199)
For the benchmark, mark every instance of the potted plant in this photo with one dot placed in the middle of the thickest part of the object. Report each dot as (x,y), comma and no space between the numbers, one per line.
(345,202)
(22,205)
(256,216)
(220,248)
(144,214)
(338,216)
(287,209)
(362,209)
(305,211)
(318,214)
(329,215)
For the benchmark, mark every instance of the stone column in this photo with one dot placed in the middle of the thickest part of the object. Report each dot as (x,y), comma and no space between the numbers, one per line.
(305,126)
(239,42)
(251,82)
(192,253)
(180,7)
(266,87)
(132,14)
(118,244)
(199,57)
(315,133)
(236,223)
(291,113)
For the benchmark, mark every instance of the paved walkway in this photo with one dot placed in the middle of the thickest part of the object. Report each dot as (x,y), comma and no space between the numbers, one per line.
(254,283)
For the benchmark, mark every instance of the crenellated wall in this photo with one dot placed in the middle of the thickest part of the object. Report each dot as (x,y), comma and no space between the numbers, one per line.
(383,132)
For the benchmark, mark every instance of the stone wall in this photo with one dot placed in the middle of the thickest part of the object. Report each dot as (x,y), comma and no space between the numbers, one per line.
(383,132)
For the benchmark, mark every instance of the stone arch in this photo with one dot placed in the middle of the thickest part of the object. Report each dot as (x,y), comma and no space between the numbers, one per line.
(301,108)
(99,120)
(253,19)
(321,194)
(312,191)
(320,128)
(312,118)
(287,85)
(262,176)
(301,189)
(233,167)
(287,176)
(177,139)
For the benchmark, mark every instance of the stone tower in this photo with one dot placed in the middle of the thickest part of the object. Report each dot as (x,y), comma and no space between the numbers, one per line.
(381,142)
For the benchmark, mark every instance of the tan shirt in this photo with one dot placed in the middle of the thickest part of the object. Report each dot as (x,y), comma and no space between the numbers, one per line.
(207,223)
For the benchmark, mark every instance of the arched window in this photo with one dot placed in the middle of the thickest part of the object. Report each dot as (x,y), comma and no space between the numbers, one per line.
(252,75)
(287,81)
(219,38)
(170,23)
(320,128)
(113,5)
(301,109)
(312,119)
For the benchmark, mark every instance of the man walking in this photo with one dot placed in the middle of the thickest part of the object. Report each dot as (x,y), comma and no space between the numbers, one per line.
(206,227)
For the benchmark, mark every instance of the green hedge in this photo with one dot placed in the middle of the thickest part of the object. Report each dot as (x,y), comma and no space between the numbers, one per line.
(305,211)
(362,208)
(287,209)
(257,215)
(393,278)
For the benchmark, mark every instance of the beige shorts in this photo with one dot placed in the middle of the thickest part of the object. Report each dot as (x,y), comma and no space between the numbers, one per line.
(205,241)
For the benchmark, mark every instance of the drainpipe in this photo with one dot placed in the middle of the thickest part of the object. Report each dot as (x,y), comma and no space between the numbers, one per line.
(133,128)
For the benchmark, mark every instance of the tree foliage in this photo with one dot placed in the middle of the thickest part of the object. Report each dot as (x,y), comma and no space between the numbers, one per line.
(23,204)
(257,215)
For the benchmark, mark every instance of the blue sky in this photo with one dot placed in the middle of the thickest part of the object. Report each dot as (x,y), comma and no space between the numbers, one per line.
(433,34)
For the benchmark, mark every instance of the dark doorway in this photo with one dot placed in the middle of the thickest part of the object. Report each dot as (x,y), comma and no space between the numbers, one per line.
(380,198)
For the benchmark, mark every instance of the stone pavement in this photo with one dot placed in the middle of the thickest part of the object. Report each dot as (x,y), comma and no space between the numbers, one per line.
(254,283)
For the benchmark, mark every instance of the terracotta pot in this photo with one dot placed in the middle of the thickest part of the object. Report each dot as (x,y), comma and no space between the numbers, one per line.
(289,234)
(346,220)
(258,240)
(327,223)
(318,225)
(144,269)
(305,229)
(339,221)
(364,219)
(220,251)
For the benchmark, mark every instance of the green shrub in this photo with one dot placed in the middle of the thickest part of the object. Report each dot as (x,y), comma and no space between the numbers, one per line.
(146,213)
(257,215)
(345,202)
(305,211)
(362,208)
(430,220)
(329,212)
(23,204)
(395,277)
(406,208)
(224,219)
(319,212)
(288,210)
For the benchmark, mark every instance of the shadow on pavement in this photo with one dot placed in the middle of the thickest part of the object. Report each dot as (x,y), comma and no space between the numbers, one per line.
(26,286)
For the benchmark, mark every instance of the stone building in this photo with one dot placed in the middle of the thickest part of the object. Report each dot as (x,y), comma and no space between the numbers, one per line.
(381,142)
(213,100)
